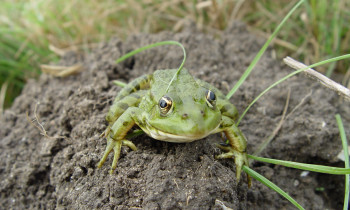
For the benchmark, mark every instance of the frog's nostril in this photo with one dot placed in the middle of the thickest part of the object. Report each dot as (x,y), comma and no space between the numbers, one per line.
(202,112)
(185,116)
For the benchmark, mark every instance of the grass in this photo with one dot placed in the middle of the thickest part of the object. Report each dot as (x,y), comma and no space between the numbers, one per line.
(124,57)
(316,32)
(301,166)
(308,167)
(37,32)
(346,156)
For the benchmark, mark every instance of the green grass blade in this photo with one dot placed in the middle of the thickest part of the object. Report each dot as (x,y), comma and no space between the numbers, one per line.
(288,76)
(271,185)
(304,166)
(128,55)
(138,50)
(261,52)
(346,156)
(119,83)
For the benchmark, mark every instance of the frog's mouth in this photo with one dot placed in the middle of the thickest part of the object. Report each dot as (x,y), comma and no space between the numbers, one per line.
(170,137)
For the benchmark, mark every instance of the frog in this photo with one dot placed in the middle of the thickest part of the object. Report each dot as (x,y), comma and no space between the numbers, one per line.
(188,109)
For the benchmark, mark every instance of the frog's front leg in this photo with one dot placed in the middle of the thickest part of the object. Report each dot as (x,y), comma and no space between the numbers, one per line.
(236,148)
(116,136)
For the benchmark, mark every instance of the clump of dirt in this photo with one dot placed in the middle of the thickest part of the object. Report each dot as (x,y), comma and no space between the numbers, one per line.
(60,172)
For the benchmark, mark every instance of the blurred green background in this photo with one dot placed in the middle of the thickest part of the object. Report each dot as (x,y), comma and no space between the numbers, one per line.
(39,31)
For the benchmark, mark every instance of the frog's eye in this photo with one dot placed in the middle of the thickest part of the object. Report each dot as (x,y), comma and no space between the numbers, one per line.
(165,104)
(211,98)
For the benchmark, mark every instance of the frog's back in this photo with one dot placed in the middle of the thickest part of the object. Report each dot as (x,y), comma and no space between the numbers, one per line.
(161,78)
(182,84)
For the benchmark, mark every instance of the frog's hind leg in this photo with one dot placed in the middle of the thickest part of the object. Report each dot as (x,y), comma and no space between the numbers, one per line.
(140,83)
(120,106)
(129,96)
(116,138)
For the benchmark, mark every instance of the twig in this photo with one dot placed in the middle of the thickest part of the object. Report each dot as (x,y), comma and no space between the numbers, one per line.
(341,90)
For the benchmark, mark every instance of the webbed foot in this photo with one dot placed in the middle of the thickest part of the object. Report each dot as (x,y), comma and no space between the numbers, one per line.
(241,160)
(115,145)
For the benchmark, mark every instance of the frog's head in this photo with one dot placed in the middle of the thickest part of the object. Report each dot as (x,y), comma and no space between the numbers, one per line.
(184,118)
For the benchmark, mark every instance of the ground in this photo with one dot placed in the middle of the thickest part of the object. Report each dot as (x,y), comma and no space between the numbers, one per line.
(60,172)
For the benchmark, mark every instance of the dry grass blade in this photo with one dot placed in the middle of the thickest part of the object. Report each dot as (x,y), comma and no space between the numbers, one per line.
(62,51)
(277,41)
(264,144)
(284,116)
(61,71)
(2,97)
(39,126)
(57,50)
(204,4)
(222,205)
(300,103)
(346,80)
(341,90)
(36,123)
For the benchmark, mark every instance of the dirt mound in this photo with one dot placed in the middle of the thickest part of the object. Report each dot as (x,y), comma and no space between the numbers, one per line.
(41,172)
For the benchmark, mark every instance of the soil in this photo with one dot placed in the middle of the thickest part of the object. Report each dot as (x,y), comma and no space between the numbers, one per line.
(59,170)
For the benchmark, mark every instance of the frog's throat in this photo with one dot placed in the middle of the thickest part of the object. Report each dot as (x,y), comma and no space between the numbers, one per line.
(169,137)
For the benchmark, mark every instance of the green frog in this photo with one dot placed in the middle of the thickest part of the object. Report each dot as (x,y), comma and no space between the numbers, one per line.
(186,110)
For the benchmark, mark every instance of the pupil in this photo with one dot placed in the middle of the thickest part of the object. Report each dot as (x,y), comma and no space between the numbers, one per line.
(163,103)
(211,96)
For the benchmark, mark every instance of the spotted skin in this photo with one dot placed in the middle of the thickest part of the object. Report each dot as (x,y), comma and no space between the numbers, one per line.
(190,117)
(132,100)
(226,108)
(140,83)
